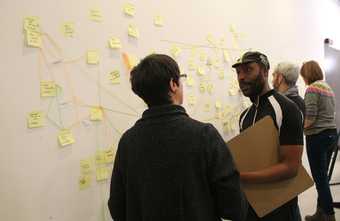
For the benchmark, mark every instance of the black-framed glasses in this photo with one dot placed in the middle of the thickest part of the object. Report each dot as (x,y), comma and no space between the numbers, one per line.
(183,76)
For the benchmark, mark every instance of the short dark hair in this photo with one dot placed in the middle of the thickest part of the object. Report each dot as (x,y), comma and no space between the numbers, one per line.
(150,79)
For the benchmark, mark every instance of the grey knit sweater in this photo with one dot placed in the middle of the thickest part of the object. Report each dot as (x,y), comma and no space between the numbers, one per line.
(320,107)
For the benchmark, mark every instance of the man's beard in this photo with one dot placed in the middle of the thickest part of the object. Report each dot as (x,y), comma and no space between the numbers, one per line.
(254,88)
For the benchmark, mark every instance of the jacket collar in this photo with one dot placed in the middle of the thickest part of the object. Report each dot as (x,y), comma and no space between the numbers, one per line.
(259,99)
(163,110)
(292,91)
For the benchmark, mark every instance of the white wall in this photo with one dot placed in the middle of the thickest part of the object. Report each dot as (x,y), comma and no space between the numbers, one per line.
(40,179)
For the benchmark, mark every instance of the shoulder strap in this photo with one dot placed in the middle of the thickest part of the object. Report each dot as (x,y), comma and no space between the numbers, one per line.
(244,116)
(277,109)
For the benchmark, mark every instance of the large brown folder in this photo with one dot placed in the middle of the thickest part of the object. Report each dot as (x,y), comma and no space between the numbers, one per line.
(257,148)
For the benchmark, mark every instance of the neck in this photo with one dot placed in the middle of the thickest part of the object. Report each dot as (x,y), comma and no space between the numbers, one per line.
(265,89)
(255,99)
(283,88)
(175,101)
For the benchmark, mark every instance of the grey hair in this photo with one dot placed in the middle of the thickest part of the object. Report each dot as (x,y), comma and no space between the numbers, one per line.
(289,71)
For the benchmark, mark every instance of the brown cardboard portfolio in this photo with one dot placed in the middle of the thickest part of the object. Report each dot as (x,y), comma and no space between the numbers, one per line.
(257,148)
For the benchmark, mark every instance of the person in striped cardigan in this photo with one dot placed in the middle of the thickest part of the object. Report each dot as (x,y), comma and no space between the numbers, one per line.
(320,131)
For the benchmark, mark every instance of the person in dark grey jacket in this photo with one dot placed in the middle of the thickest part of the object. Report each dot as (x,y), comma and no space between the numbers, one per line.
(168,166)
(285,76)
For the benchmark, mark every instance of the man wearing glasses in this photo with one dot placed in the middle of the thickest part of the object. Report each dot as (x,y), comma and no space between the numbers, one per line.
(169,167)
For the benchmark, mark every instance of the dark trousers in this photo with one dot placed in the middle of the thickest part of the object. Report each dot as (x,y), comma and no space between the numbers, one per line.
(288,212)
(319,151)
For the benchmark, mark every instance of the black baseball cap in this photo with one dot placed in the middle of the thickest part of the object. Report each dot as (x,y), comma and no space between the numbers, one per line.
(253,56)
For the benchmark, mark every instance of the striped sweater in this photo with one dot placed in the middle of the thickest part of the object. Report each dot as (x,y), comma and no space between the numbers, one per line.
(320,107)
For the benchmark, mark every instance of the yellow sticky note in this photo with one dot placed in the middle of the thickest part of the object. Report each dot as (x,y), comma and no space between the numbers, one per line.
(129,9)
(222,41)
(232,28)
(211,39)
(226,127)
(132,61)
(152,51)
(192,100)
(115,43)
(221,74)
(227,110)
(245,103)
(48,89)
(84,182)
(35,119)
(33,39)
(202,87)
(67,29)
(190,81)
(102,173)
(210,61)
(175,51)
(115,77)
(234,42)
(233,91)
(65,137)
(96,114)
(92,57)
(191,65)
(100,157)
(216,63)
(32,23)
(218,105)
(193,52)
(109,155)
(96,15)
(158,21)
(218,115)
(133,31)
(226,56)
(210,88)
(203,56)
(233,87)
(86,166)
(200,71)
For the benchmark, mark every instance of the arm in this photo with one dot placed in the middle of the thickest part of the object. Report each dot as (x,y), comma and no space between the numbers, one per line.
(290,160)
(311,103)
(290,150)
(308,122)
(230,201)
(116,201)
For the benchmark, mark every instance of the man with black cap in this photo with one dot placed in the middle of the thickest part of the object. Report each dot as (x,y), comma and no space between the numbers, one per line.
(252,72)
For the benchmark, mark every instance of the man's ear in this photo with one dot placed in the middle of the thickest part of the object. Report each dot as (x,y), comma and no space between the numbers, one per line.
(173,86)
(280,78)
(265,72)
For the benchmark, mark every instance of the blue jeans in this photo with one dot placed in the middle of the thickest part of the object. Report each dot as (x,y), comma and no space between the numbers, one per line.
(319,151)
